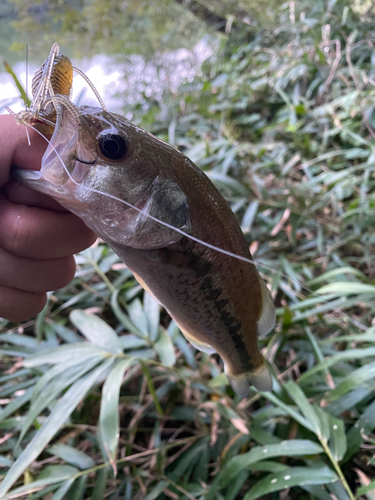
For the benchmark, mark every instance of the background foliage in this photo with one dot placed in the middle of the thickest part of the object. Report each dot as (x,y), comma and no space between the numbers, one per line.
(101,395)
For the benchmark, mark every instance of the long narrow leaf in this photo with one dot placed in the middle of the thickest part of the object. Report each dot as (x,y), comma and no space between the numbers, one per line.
(347,355)
(295,447)
(292,476)
(96,330)
(19,85)
(52,425)
(165,349)
(298,396)
(109,408)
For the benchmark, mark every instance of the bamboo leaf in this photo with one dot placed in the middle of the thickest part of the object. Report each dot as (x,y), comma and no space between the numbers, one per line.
(157,490)
(337,442)
(165,348)
(109,408)
(65,377)
(291,476)
(78,488)
(100,484)
(66,354)
(365,489)
(96,331)
(123,318)
(52,425)
(289,410)
(364,425)
(295,447)
(326,425)
(15,404)
(71,455)
(298,396)
(50,475)
(346,288)
(138,317)
(152,311)
(131,341)
(19,85)
(60,494)
(353,380)
(348,355)
(337,272)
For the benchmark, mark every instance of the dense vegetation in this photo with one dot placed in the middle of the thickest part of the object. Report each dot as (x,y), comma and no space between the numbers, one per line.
(102,397)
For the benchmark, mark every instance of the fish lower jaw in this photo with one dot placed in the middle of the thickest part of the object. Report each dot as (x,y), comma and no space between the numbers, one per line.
(64,193)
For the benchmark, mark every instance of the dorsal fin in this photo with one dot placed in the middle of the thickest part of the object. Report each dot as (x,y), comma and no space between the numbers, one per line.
(267,318)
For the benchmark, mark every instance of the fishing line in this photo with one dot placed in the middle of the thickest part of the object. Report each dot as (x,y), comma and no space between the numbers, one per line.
(193,238)
(27,86)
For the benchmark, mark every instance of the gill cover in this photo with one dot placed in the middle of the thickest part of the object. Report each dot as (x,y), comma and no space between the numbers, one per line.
(121,211)
(166,203)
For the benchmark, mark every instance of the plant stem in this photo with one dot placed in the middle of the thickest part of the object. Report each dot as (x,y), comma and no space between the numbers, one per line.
(151,388)
(137,455)
(102,275)
(337,469)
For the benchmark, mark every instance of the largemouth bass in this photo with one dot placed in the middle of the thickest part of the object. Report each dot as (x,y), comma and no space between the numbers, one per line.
(166,220)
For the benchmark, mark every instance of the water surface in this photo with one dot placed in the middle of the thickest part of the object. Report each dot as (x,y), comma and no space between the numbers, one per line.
(118,81)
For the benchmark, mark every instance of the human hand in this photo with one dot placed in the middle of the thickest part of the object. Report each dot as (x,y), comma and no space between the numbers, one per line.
(38,237)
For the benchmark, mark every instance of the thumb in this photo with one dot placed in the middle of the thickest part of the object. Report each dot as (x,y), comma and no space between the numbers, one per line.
(14,147)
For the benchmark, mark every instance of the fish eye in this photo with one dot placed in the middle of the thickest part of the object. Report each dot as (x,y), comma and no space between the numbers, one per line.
(112,146)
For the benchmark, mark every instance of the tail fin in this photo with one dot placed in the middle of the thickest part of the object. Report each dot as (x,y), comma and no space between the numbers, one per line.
(260,378)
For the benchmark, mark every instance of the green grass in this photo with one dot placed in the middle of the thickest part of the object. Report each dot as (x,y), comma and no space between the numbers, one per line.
(102,397)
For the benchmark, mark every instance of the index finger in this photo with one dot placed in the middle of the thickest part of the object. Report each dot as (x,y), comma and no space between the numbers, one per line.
(14,147)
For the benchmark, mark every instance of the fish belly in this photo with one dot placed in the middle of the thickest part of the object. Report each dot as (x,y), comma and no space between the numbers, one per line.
(216,311)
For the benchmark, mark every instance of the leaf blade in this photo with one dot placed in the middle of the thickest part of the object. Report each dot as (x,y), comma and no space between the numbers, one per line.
(291,476)
(51,426)
(109,418)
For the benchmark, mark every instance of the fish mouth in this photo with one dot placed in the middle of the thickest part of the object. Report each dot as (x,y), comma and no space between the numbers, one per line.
(65,162)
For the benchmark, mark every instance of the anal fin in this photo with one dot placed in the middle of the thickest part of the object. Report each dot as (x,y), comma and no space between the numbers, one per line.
(145,287)
(201,346)
(267,318)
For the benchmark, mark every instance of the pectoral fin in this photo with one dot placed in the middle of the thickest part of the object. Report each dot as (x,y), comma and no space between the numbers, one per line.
(166,203)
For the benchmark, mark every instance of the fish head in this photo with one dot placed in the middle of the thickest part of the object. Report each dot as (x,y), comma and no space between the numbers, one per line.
(112,174)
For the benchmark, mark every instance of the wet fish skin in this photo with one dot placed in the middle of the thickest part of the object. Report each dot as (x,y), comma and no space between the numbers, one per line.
(219,303)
